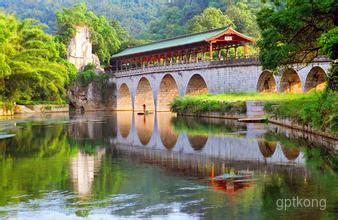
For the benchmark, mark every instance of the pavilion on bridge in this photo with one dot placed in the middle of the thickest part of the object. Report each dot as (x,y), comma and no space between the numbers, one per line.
(219,44)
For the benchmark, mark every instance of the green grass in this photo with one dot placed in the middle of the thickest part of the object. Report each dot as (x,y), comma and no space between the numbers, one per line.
(232,103)
(317,109)
(235,97)
(40,102)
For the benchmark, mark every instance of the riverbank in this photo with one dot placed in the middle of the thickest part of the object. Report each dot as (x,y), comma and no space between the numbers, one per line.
(31,107)
(315,112)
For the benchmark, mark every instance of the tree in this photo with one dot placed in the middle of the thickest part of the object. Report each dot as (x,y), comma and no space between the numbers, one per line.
(30,63)
(170,24)
(299,32)
(244,19)
(210,18)
(104,37)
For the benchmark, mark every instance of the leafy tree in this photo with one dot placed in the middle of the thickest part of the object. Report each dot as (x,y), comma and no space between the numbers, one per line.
(211,18)
(169,25)
(30,63)
(104,37)
(243,18)
(135,15)
(292,33)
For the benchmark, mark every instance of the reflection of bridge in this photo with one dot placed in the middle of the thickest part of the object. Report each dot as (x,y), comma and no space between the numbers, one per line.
(154,74)
(156,133)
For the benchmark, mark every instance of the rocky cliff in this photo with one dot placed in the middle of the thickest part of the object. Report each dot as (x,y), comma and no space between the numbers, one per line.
(96,96)
(80,49)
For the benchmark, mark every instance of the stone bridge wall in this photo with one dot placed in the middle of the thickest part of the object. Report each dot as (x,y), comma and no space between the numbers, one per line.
(244,75)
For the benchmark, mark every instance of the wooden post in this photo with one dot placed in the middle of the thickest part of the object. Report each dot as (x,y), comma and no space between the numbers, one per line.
(235,52)
(196,55)
(202,52)
(245,50)
(210,51)
(171,58)
(219,53)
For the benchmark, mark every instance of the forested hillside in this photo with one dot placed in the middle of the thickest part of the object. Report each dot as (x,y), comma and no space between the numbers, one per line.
(133,14)
(145,19)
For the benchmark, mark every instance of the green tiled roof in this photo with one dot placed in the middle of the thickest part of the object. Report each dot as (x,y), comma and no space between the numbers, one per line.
(173,42)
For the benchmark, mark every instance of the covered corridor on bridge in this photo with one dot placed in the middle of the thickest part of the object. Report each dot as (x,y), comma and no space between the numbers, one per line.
(219,44)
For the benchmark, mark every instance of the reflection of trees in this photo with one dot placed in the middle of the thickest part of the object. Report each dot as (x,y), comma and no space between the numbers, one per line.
(205,126)
(320,182)
(36,159)
(110,179)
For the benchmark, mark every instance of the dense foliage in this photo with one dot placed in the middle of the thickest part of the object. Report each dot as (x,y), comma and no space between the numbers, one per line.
(292,33)
(183,17)
(103,36)
(143,19)
(211,18)
(30,63)
(133,14)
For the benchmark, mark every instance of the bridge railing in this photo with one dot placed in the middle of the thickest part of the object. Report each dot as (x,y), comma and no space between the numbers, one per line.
(232,61)
(247,60)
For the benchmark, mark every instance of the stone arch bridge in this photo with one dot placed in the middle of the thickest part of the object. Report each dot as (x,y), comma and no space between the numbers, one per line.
(156,86)
(215,61)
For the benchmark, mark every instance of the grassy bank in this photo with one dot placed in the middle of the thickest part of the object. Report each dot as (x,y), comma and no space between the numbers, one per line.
(228,102)
(319,110)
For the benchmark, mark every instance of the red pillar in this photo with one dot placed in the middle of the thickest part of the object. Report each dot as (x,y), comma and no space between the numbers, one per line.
(210,51)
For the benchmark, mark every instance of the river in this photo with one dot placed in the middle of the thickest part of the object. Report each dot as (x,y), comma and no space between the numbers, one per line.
(127,166)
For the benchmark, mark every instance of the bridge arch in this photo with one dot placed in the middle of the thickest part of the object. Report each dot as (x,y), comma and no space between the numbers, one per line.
(315,80)
(167,134)
(144,95)
(124,100)
(267,148)
(266,82)
(290,82)
(198,142)
(167,92)
(145,127)
(124,122)
(196,85)
(291,153)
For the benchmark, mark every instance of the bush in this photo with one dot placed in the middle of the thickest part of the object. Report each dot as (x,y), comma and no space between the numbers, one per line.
(89,75)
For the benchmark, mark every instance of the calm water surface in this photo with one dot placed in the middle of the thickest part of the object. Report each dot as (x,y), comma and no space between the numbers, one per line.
(121,166)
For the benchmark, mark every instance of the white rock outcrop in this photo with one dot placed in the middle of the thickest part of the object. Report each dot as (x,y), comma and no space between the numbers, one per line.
(80,49)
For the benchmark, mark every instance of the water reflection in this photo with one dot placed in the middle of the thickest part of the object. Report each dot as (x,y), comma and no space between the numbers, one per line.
(124,122)
(225,139)
(267,148)
(198,142)
(167,134)
(126,165)
(144,127)
(83,167)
